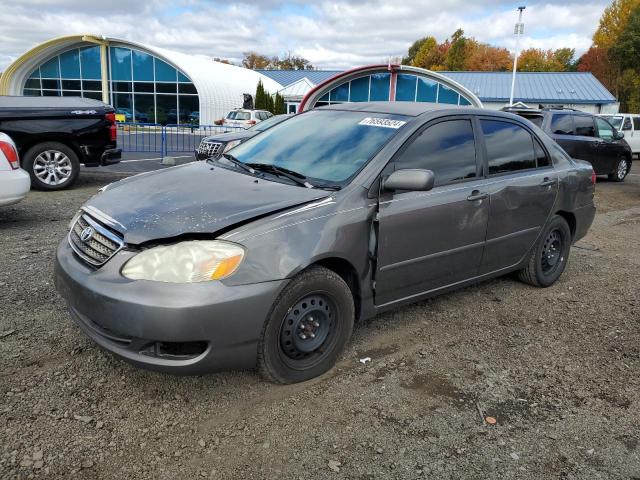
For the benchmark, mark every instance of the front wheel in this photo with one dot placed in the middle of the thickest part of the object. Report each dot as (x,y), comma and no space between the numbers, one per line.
(622,169)
(307,328)
(52,166)
(549,256)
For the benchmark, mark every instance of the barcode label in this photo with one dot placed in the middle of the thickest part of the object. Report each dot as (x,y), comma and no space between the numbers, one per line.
(382,122)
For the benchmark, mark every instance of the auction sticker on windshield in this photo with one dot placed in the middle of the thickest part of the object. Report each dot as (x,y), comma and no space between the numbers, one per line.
(382,122)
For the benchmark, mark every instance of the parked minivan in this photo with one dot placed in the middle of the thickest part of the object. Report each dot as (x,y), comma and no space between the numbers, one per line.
(629,124)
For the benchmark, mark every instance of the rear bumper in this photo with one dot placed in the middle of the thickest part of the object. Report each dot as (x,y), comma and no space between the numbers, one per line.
(97,156)
(109,157)
(584,219)
(135,320)
(14,186)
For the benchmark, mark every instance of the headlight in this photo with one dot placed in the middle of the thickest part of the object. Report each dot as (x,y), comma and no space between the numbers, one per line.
(186,262)
(230,145)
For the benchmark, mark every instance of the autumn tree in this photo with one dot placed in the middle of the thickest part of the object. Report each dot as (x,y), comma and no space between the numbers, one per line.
(456,54)
(255,61)
(613,22)
(482,57)
(414,49)
(428,55)
(538,60)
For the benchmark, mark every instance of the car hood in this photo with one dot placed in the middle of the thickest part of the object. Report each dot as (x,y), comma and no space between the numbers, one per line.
(196,198)
(231,136)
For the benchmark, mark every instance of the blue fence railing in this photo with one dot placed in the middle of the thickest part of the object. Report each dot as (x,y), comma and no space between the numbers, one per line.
(165,139)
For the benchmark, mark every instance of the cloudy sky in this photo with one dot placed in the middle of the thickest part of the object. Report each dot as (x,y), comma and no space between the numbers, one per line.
(330,33)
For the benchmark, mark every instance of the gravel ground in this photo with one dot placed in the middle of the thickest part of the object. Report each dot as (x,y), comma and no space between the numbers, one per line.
(557,368)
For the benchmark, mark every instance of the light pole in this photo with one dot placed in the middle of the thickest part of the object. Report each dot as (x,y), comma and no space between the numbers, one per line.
(518,30)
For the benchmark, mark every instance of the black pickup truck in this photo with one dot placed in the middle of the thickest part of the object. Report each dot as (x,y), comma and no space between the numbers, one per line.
(54,135)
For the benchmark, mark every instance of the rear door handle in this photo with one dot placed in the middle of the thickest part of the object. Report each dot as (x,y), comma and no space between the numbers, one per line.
(477,195)
(547,182)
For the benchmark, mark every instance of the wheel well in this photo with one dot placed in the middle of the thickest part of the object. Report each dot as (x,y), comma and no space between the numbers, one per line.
(348,273)
(63,141)
(571,220)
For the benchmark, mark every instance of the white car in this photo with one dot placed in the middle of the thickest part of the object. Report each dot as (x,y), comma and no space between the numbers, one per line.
(14,182)
(629,124)
(241,117)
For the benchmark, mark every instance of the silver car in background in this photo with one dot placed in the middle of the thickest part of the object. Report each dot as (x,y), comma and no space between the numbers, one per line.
(14,182)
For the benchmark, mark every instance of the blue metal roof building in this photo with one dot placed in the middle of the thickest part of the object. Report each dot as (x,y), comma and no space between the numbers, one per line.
(580,90)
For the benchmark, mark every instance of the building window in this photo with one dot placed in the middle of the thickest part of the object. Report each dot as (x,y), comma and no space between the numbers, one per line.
(377,87)
(70,74)
(142,88)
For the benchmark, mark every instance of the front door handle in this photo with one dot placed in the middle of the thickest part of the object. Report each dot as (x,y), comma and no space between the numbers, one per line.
(477,195)
(547,182)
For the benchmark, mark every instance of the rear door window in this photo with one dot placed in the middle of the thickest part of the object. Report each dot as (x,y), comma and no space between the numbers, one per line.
(562,124)
(636,123)
(584,126)
(509,147)
(447,148)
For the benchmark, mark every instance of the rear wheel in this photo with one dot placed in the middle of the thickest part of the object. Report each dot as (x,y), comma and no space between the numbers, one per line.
(549,256)
(51,165)
(622,169)
(307,328)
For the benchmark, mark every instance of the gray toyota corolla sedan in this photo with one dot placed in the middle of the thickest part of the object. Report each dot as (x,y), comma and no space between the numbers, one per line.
(266,257)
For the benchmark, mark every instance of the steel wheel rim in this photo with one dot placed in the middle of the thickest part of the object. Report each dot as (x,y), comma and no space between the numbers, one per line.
(622,168)
(552,256)
(308,331)
(52,167)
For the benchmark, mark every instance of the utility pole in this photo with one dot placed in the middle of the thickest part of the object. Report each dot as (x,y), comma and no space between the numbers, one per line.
(518,30)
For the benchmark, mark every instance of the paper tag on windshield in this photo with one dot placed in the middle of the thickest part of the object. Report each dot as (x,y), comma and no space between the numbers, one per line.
(382,122)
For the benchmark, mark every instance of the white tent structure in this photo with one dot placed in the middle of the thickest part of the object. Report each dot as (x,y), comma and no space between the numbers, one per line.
(129,75)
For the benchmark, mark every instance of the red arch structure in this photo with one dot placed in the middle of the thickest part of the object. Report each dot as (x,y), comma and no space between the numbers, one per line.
(441,88)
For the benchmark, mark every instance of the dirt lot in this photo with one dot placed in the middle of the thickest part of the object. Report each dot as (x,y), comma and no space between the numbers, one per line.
(558,368)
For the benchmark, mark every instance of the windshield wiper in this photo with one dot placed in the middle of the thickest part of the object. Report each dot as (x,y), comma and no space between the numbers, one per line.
(283,172)
(237,163)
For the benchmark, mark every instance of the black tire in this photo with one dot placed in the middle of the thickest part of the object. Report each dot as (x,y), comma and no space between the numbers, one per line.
(622,168)
(51,165)
(549,256)
(319,296)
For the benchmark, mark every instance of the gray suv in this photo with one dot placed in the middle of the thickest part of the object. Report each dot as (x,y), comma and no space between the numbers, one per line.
(265,257)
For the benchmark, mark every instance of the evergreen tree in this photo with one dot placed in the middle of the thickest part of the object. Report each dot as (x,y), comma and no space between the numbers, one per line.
(260,100)
(279,105)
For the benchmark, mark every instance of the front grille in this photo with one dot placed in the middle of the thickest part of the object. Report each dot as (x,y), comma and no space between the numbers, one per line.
(210,148)
(93,242)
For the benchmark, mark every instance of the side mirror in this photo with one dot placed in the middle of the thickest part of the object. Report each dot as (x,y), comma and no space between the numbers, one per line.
(409,179)
(618,135)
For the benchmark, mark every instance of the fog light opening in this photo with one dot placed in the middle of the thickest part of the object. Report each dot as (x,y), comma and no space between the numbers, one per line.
(175,350)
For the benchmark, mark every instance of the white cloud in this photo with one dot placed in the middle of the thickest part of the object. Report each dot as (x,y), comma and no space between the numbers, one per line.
(331,34)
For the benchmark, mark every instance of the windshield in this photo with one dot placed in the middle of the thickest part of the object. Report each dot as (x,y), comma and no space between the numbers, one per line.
(262,126)
(326,145)
(235,115)
(616,121)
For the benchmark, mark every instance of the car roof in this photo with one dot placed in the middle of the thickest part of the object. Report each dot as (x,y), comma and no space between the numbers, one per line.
(416,109)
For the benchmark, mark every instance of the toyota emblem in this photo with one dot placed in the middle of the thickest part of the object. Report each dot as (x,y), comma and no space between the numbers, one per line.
(86,234)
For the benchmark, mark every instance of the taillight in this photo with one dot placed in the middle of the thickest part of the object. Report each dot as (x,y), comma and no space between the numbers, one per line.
(593,177)
(113,130)
(11,154)
(251,122)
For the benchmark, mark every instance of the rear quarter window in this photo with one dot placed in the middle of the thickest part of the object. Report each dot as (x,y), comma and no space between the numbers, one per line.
(562,124)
